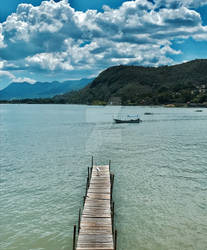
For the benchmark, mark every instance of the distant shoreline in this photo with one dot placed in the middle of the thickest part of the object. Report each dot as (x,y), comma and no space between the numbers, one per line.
(48,101)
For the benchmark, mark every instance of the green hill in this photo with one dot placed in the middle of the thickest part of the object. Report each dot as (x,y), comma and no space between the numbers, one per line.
(136,85)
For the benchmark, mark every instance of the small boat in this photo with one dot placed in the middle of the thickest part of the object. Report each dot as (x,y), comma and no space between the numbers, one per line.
(148,113)
(128,119)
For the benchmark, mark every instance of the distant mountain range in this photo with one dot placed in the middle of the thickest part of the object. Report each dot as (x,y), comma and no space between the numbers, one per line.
(25,90)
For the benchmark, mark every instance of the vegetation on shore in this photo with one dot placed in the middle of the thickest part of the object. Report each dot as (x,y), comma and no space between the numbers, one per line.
(183,84)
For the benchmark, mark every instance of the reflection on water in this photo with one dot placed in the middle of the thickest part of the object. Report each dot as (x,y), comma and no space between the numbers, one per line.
(160,174)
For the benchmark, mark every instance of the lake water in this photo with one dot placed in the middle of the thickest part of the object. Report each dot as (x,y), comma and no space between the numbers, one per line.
(160,168)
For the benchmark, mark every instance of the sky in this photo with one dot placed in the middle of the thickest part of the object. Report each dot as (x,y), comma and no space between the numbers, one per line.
(73,39)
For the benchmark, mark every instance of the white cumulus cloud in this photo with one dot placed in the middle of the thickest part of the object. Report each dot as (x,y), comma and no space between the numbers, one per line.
(2,45)
(178,3)
(4,73)
(23,79)
(49,61)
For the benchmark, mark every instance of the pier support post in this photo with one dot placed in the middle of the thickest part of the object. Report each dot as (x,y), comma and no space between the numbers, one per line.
(92,161)
(79,219)
(74,235)
(112,215)
(87,185)
(91,168)
(112,183)
(88,172)
(84,199)
(115,240)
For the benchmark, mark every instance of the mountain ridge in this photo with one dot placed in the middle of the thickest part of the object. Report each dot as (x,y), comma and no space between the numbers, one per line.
(25,90)
(181,84)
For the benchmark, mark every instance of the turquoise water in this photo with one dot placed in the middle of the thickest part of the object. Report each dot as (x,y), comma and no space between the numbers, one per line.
(160,168)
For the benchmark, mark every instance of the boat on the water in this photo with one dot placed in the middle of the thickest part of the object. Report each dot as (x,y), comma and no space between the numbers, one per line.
(128,119)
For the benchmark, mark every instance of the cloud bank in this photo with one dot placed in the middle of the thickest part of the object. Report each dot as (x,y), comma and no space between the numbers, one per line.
(53,37)
(178,3)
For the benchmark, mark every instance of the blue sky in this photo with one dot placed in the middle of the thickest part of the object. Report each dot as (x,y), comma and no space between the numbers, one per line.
(10,6)
(59,40)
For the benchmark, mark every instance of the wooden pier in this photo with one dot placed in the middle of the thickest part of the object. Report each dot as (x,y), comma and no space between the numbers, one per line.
(96,220)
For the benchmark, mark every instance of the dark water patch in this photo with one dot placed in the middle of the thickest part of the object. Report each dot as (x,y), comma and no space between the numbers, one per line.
(194,171)
(10,169)
(174,119)
(2,181)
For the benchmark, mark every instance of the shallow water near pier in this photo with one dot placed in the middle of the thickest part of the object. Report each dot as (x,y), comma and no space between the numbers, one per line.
(160,168)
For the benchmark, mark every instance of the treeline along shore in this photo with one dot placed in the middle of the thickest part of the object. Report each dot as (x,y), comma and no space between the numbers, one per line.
(178,85)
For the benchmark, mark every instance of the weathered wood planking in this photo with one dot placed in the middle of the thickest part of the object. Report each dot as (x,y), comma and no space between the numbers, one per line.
(96,223)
